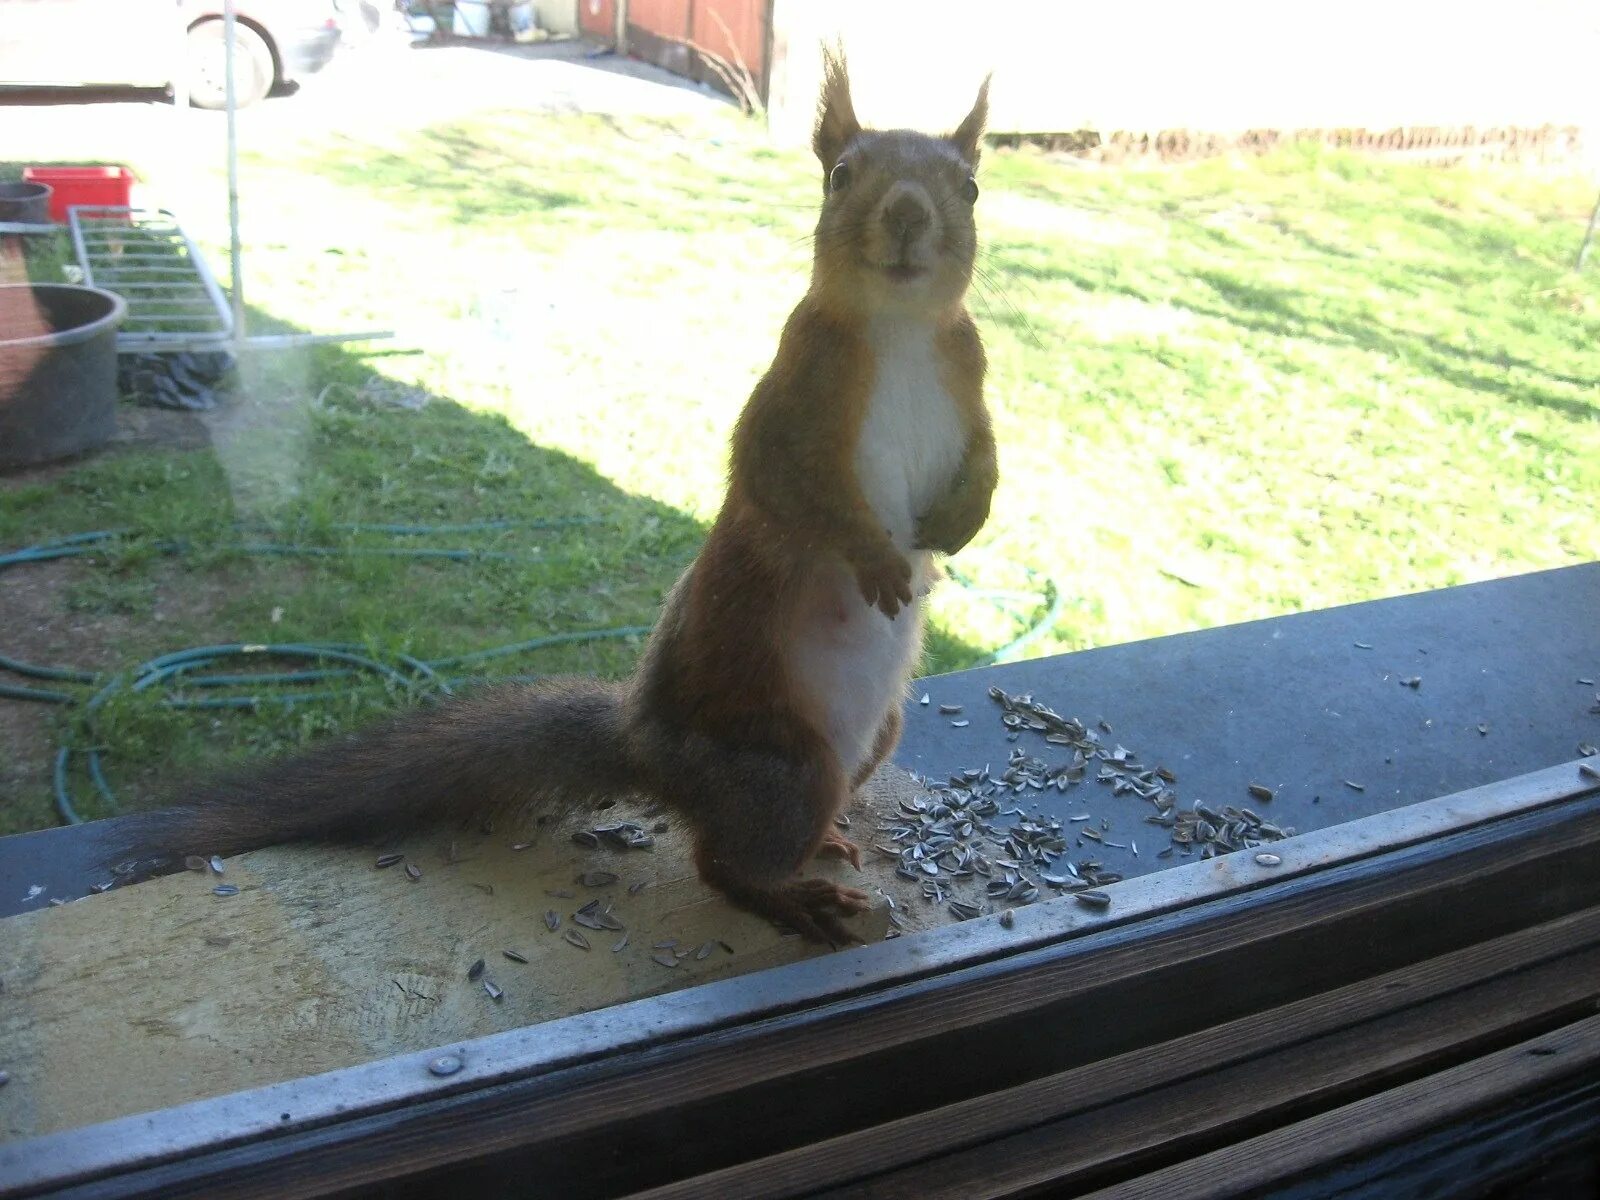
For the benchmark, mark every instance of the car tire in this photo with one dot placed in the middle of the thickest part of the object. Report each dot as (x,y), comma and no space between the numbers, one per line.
(254,70)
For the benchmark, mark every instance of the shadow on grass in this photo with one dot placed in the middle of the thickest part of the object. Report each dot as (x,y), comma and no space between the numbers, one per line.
(451,447)
(311,443)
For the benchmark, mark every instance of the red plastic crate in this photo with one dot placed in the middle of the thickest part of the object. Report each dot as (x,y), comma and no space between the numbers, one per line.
(82,185)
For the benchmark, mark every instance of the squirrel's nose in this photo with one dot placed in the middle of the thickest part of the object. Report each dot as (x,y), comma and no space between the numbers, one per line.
(907,215)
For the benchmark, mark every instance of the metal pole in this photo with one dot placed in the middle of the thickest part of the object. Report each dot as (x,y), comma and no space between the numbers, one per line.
(229,24)
(180,65)
(1588,236)
(130,343)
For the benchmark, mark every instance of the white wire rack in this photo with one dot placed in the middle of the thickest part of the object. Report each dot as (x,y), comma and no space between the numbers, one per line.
(144,256)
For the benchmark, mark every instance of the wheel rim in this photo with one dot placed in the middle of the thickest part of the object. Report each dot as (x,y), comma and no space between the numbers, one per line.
(210,68)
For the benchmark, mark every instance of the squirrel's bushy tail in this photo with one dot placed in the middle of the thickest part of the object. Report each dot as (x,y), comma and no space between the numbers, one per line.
(544,747)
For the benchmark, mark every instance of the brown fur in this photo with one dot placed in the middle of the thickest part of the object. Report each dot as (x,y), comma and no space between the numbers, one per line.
(711,724)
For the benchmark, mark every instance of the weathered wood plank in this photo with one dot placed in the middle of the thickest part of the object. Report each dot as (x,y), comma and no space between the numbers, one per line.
(799,1077)
(1186,1116)
(1410,1110)
(951,1128)
(157,994)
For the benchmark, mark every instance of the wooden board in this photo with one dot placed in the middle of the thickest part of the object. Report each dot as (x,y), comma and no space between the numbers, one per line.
(1410,1111)
(164,992)
(1214,1021)
(1187,1116)
(1240,1066)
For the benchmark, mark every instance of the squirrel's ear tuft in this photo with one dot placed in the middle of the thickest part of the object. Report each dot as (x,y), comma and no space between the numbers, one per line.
(968,136)
(836,116)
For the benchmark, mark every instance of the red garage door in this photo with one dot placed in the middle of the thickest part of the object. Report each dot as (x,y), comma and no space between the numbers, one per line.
(664,32)
(598,18)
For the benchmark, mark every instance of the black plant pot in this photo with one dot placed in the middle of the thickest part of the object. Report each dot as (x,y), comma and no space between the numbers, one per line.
(58,370)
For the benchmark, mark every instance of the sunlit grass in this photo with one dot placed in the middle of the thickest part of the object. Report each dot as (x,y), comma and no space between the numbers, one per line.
(1222,391)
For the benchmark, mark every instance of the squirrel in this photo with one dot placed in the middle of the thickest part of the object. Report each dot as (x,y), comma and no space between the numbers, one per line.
(773,683)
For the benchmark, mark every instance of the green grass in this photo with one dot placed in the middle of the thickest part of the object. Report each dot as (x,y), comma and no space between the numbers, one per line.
(46,257)
(1222,391)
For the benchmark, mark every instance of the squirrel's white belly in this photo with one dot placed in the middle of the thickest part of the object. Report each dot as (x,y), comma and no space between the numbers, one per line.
(851,659)
(911,437)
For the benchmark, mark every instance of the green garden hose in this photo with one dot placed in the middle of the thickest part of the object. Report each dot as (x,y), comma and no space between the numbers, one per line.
(420,677)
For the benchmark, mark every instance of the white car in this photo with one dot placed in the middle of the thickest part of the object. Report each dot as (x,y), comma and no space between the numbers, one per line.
(154,43)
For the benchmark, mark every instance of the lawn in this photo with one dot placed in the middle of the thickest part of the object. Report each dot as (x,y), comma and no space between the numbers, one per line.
(1222,391)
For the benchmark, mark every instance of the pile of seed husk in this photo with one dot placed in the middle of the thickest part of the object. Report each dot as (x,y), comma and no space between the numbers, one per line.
(953,831)
(1218,832)
(622,835)
(1199,826)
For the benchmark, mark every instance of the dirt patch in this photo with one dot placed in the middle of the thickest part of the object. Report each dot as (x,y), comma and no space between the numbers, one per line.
(25,748)
(42,626)
(39,630)
(137,429)
(159,428)
(13,267)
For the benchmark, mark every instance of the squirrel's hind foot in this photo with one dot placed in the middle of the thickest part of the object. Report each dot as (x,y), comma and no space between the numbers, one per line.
(839,846)
(811,907)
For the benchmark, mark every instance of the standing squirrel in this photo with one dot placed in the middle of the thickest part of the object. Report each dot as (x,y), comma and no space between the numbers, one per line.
(772,685)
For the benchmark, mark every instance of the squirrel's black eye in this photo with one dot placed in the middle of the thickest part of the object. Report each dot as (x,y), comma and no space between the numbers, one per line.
(839,177)
(969,190)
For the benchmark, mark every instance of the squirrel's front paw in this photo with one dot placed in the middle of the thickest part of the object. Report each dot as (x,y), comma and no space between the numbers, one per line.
(884,577)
